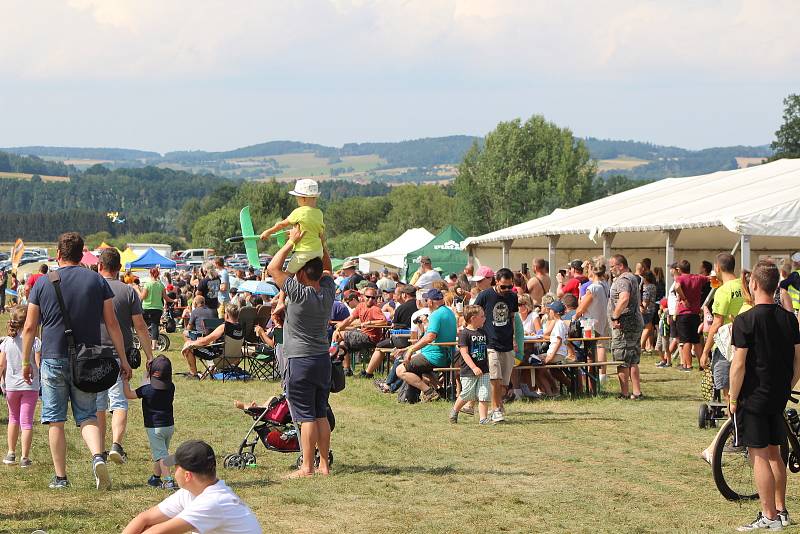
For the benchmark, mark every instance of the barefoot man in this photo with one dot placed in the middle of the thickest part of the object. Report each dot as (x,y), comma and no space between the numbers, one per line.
(309,300)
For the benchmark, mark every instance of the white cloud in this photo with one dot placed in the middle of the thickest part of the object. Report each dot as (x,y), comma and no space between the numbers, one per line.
(208,39)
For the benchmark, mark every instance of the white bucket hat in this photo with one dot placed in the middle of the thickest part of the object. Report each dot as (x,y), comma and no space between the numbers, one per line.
(305,188)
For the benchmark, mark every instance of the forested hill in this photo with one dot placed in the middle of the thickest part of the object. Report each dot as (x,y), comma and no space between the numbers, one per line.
(67,153)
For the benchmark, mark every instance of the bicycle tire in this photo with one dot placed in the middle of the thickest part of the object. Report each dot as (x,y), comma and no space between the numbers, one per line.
(163,343)
(733,473)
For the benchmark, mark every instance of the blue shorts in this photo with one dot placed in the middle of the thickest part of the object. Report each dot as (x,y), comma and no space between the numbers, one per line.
(58,390)
(308,386)
(113,398)
(159,439)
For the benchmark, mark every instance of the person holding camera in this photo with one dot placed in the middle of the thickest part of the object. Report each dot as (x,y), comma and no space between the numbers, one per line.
(128,309)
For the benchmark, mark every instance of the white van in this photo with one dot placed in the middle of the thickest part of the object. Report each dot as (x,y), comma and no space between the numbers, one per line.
(196,256)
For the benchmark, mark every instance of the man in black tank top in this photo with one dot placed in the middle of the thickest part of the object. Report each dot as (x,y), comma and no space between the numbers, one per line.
(230,328)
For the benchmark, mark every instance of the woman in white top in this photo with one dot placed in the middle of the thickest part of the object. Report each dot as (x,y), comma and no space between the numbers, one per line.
(530,319)
(593,306)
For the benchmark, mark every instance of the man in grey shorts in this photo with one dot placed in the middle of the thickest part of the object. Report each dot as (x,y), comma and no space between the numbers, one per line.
(627,325)
(309,300)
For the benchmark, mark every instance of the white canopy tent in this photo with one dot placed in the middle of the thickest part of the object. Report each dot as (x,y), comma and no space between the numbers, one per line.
(754,210)
(393,255)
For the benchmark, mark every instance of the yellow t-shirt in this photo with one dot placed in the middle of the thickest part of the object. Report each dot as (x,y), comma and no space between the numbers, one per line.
(310,221)
(728,300)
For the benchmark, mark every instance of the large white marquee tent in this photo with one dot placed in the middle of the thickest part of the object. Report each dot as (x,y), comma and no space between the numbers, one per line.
(393,255)
(754,211)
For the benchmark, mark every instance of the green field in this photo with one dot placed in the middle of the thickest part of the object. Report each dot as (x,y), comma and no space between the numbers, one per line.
(622,163)
(588,465)
(23,176)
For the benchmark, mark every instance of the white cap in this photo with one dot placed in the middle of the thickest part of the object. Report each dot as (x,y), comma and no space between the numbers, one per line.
(796,257)
(305,188)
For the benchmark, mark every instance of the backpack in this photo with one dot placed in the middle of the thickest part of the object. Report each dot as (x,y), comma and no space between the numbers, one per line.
(409,394)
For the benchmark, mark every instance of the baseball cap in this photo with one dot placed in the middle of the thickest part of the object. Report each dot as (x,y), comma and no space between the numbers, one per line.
(576,264)
(796,257)
(483,272)
(408,289)
(433,294)
(350,264)
(305,188)
(195,456)
(351,294)
(390,288)
(160,372)
(557,306)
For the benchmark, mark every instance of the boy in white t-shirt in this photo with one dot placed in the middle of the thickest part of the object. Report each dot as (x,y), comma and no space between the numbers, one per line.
(557,353)
(203,504)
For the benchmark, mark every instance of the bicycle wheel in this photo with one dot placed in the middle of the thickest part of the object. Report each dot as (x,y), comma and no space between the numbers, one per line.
(163,342)
(733,468)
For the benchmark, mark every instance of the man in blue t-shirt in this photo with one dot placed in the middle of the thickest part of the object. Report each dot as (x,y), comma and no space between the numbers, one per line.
(441,329)
(88,300)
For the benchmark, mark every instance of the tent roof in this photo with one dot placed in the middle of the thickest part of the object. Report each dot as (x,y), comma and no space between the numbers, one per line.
(444,251)
(127,256)
(395,252)
(150,258)
(89,258)
(758,201)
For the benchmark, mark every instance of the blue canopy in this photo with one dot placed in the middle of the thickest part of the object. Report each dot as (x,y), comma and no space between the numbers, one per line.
(151,258)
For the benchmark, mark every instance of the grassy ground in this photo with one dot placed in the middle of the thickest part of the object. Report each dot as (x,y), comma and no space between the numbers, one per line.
(563,465)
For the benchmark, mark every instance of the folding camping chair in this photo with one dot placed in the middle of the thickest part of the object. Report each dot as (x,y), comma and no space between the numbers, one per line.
(259,358)
(222,357)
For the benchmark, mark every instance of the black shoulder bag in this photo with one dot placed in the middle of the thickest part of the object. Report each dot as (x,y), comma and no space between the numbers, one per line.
(94,368)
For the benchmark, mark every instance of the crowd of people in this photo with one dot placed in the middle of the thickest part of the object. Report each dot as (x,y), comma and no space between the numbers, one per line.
(505,332)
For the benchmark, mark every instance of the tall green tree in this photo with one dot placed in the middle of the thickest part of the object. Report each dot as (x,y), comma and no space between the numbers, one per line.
(523,171)
(787,138)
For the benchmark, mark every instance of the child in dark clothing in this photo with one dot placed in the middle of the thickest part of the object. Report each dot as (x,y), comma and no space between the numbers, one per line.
(157,398)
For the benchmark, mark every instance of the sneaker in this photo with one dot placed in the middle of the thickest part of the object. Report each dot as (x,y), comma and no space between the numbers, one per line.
(348,372)
(453,416)
(762,522)
(169,484)
(783,515)
(487,421)
(640,396)
(154,481)
(100,470)
(364,374)
(430,395)
(685,369)
(661,364)
(10,459)
(497,417)
(25,462)
(117,454)
(58,483)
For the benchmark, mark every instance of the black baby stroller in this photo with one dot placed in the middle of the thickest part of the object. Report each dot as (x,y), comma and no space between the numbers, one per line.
(273,426)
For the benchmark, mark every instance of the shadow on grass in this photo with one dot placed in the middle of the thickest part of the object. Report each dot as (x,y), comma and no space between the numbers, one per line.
(561,417)
(28,515)
(400,470)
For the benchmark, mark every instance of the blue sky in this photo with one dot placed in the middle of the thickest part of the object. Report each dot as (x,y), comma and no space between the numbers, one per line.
(171,75)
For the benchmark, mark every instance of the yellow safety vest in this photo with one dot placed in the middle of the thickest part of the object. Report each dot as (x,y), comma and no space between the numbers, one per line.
(795,295)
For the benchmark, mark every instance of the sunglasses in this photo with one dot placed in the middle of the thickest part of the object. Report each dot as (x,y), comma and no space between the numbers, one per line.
(371,297)
(506,287)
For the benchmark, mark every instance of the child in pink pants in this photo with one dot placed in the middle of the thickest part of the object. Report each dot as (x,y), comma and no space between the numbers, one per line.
(20,394)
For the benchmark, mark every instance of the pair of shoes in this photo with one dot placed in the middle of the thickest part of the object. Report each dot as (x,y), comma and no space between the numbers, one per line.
(762,522)
(622,396)
(468,411)
(10,459)
(487,421)
(58,483)
(100,470)
(117,454)
(348,372)
(25,462)
(640,396)
(430,395)
(169,484)
(662,364)
(453,417)
(685,369)
(497,417)
(364,374)
(154,481)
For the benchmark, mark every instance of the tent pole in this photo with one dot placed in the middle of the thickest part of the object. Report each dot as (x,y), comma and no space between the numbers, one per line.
(471,255)
(552,241)
(671,238)
(608,239)
(507,252)
(745,252)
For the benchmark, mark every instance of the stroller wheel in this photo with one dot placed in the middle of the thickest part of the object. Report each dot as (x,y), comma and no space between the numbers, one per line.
(248,459)
(703,416)
(234,461)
